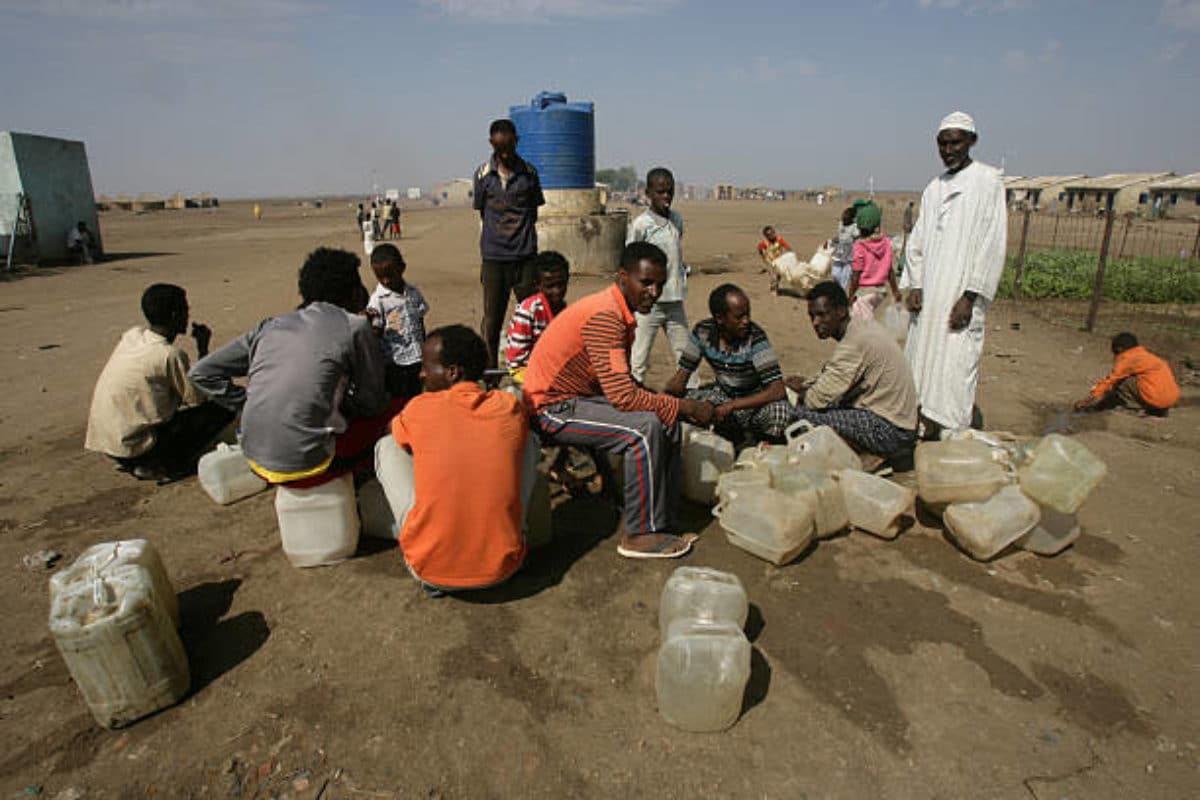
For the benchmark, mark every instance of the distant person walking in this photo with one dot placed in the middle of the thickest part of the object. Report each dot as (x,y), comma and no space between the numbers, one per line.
(843,246)
(955,256)
(507,193)
(394,220)
(385,219)
(359,217)
(257,212)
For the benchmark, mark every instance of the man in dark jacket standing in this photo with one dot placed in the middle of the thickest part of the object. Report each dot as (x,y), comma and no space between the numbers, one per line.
(507,193)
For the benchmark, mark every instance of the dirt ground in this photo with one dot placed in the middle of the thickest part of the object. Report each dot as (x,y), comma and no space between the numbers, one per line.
(881,669)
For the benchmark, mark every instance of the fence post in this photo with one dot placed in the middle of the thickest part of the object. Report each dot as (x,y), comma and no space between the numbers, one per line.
(1054,235)
(1196,244)
(1020,268)
(1098,289)
(1124,237)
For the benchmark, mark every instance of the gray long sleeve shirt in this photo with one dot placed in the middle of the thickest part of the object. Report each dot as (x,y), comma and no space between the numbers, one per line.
(307,371)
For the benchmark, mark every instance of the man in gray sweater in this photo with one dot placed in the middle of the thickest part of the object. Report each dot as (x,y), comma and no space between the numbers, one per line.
(314,402)
(865,392)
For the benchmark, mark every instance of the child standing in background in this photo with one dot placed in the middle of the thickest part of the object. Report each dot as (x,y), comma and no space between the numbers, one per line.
(660,225)
(398,310)
(871,267)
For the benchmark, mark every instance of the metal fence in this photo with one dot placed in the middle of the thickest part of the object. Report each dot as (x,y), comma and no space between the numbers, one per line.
(1132,237)
(1166,243)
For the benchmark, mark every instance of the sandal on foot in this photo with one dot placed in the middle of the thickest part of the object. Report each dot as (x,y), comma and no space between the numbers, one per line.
(667,547)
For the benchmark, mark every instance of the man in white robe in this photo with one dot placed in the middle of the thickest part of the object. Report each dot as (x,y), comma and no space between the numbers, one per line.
(954,258)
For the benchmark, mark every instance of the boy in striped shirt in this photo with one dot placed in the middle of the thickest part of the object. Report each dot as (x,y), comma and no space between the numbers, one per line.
(535,312)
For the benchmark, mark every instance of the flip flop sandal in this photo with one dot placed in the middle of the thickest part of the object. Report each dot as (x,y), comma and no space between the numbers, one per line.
(665,548)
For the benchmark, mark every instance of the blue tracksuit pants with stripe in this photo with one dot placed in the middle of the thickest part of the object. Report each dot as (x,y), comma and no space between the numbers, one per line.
(650,450)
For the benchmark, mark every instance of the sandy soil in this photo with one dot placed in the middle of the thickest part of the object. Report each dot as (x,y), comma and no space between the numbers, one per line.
(881,669)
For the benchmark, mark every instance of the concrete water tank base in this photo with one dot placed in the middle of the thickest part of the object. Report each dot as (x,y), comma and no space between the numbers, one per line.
(591,242)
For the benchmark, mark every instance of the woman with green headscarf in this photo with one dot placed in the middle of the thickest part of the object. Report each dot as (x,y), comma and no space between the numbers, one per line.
(871,268)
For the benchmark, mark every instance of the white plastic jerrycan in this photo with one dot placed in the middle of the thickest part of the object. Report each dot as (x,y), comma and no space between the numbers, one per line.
(957,471)
(985,529)
(703,668)
(1054,533)
(319,525)
(704,594)
(874,504)
(818,490)
(107,555)
(1061,473)
(705,456)
(119,643)
(771,525)
(739,480)
(820,448)
(374,513)
(226,476)
(763,456)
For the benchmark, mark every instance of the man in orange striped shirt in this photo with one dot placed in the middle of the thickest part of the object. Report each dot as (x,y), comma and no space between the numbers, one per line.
(581,392)
(1139,379)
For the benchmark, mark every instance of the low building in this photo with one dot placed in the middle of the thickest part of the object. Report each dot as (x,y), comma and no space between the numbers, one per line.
(1176,197)
(148,201)
(414,193)
(51,176)
(724,191)
(1120,193)
(1042,193)
(457,192)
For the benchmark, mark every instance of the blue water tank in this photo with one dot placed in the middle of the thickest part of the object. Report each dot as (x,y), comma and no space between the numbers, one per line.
(559,138)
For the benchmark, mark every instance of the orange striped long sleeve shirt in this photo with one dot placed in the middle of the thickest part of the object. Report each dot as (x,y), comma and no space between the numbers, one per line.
(584,352)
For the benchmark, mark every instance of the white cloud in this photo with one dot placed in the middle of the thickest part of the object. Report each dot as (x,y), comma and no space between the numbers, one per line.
(157,9)
(533,10)
(762,69)
(977,6)
(1182,15)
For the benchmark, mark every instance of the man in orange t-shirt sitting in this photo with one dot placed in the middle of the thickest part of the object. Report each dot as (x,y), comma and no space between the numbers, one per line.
(459,497)
(1139,379)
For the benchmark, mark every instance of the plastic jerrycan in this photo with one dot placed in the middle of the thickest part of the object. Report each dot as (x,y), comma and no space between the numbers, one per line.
(985,529)
(320,525)
(820,491)
(1060,473)
(701,675)
(702,593)
(739,480)
(769,524)
(957,471)
(121,553)
(820,447)
(119,643)
(1054,533)
(874,504)
(705,456)
(226,476)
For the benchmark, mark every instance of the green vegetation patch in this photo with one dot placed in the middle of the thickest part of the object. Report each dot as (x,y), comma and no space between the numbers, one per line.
(1070,274)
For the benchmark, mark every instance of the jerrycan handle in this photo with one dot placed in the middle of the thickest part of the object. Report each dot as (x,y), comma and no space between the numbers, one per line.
(718,509)
(797,429)
(103,596)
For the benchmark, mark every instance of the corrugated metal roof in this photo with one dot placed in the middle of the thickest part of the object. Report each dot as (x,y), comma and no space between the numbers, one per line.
(1182,182)
(1117,180)
(1042,181)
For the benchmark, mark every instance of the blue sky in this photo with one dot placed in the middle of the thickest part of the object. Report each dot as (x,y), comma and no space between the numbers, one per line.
(281,97)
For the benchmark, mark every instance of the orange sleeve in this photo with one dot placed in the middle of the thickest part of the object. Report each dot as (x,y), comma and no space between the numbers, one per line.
(400,431)
(604,342)
(1123,367)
